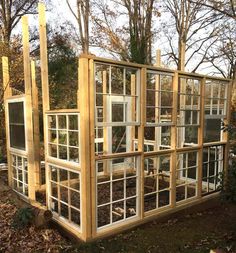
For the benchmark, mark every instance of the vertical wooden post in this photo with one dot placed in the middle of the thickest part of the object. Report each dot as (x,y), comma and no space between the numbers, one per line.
(105,114)
(225,134)
(158,58)
(201,138)
(36,127)
(85,147)
(173,163)
(133,105)
(28,110)
(7,94)
(143,84)
(157,110)
(44,82)
(43,56)
(93,172)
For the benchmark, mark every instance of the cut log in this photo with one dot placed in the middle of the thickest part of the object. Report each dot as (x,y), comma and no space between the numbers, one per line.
(41,217)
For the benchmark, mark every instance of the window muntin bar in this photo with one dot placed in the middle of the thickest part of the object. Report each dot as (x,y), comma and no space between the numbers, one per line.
(65,194)
(63,136)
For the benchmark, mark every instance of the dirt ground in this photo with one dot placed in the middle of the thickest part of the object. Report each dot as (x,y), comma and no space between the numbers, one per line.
(188,232)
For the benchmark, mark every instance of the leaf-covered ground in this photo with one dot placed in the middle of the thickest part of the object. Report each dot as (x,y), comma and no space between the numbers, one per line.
(194,232)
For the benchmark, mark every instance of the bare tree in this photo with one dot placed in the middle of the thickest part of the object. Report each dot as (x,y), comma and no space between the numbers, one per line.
(132,39)
(194,26)
(225,7)
(10,14)
(82,17)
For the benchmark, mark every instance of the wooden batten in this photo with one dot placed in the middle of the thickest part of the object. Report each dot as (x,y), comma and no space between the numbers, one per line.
(174,142)
(28,110)
(85,135)
(36,127)
(92,143)
(226,134)
(7,94)
(143,85)
(105,114)
(43,56)
(158,58)
(133,106)
(44,82)
(201,137)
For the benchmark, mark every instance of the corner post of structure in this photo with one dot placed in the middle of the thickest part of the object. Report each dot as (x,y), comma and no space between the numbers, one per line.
(92,146)
(44,80)
(173,162)
(29,109)
(201,137)
(226,134)
(85,147)
(36,127)
(143,84)
(7,93)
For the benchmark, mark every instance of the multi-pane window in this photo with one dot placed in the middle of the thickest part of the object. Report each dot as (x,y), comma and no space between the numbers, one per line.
(212,168)
(215,98)
(186,175)
(156,182)
(215,109)
(16,125)
(63,136)
(116,110)
(64,194)
(188,111)
(159,106)
(117,190)
(20,174)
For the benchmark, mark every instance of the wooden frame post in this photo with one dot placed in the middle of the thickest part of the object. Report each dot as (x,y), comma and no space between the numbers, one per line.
(158,58)
(45,82)
(133,105)
(36,127)
(105,112)
(85,146)
(141,129)
(201,137)
(173,162)
(93,172)
(226,134)
(28,109)
(7,93)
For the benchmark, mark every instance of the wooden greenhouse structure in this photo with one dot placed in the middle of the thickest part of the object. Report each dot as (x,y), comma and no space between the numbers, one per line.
(143,142)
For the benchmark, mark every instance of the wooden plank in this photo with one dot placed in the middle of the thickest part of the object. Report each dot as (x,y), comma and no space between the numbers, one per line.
(143,84)
(226,134)
(133,106)
(28,110)
(36,127)
(93,186)
(201,137)
(43,56)
(214,143)
(158,58)
(159,152)
(174,142)
(7,94)
(105,114)
(44,83)
(85,147)
(187,149)
(62,111)
(118,155)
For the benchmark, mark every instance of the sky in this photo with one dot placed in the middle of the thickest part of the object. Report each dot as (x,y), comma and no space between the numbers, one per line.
(58,12)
